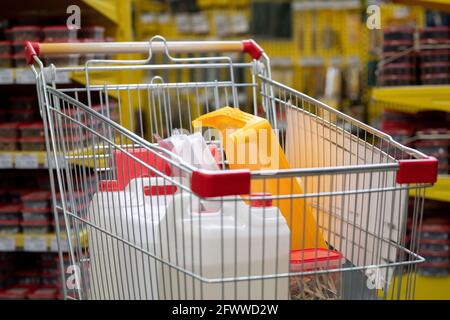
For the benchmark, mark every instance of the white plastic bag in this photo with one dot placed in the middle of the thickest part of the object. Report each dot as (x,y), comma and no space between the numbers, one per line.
(191,148)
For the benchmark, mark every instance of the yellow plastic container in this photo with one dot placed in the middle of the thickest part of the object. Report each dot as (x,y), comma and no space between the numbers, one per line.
(250,143)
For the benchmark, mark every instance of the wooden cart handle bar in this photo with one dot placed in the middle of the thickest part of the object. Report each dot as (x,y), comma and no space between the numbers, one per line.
(41,49)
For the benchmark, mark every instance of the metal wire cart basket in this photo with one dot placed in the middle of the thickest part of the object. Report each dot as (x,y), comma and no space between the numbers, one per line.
(299,201)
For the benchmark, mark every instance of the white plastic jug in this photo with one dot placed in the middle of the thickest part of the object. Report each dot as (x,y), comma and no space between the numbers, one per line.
(237,241)
(118,269)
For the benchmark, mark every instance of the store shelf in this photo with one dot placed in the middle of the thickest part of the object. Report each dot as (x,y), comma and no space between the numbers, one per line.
(441,5)
(414,98)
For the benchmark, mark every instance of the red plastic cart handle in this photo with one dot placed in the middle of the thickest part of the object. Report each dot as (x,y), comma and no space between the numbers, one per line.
(237,182)
(36,49)
(417,171)
(206,183)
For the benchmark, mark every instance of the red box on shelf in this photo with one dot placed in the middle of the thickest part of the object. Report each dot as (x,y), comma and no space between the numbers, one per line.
(5,47)
(59,32)
(435,35)
(435,67)
(438,55)
(19,60)
(435,78)
(25,33)
(31,129)
(8,144)
(36,200)
(36,214)
(9,226)
(397,80)
(92,32)
(15,293)
(398,33)
(10,212)
(43,293)
(9,130)
(6,60)
(397,45)
(36,227)
(32,144)
(403,68)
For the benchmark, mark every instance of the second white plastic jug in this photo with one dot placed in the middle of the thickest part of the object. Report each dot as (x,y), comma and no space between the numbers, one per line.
(237,241)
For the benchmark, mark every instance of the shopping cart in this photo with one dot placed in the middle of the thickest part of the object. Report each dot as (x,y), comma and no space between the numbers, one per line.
(128,212)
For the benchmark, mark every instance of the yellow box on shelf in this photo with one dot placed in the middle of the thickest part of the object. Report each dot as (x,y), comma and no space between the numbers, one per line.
(440,191)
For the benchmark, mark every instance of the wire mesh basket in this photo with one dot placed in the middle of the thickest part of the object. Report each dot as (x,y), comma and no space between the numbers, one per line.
(136,221)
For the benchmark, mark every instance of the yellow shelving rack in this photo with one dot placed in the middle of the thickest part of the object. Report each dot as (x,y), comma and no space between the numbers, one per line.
(324,29)
(413,99)
(327,34)
(115,15)
(119,16)
(290,56)
(152,18)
